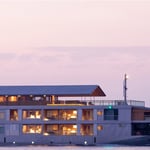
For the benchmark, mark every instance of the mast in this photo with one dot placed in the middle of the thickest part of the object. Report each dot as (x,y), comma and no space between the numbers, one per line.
(125,88)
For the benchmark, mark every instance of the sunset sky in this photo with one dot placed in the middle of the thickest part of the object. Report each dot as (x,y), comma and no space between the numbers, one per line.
(55,42)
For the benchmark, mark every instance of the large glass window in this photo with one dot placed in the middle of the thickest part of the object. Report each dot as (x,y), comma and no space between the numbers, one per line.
(2,98)
(140,129)
(147,115)
(110,114)
(68,129)
(12,98)
(86,129)
(14,114)
(31,114)
(61,129)
(51,129)
(68,114)
(32,129)
(60,115)
(87,114)
(51,115)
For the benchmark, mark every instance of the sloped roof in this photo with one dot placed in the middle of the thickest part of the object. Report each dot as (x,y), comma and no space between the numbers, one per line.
(62,90)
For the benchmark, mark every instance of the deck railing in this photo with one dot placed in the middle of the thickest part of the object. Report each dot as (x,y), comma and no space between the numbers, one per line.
(76,102)
(118,102)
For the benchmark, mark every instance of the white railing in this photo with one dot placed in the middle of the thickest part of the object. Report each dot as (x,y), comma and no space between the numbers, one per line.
(118,102)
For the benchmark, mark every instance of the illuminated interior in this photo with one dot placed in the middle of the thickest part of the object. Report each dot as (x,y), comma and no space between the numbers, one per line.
(99,127)
(51,129)
(13,114)
(51,115)
(64,129)
(100,113)
(60,114)
(31,114)
(2,98)
(68,114)
(68,129)
(87,114)
(32,129)
(12,98)
(86,129)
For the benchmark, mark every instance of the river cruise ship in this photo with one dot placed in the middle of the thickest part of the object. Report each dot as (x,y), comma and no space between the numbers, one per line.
(69,115)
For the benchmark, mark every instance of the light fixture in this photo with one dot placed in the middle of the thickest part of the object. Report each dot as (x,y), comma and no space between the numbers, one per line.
(74,126)
(85,142)
(75,112)
(32,142)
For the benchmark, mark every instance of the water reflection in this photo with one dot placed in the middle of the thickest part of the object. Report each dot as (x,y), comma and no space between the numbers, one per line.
(100,147)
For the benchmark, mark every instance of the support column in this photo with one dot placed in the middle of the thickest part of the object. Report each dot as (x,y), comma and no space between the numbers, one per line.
(79,114)
(95,114)
(78,129)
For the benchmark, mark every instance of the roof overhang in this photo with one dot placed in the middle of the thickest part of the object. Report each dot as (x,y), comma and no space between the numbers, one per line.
(62,90)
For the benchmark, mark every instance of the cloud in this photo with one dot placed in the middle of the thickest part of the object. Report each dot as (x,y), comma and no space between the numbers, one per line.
(7,56)
(83,56)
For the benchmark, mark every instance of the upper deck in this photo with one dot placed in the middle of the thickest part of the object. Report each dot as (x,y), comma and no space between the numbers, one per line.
(58,95)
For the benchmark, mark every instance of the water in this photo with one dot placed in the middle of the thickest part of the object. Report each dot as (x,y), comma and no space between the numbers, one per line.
(105,147)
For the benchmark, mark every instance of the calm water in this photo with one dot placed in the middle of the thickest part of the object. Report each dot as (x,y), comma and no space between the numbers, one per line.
(106,147)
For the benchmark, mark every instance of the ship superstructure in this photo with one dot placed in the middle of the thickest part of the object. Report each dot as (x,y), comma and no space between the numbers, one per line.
(68,114)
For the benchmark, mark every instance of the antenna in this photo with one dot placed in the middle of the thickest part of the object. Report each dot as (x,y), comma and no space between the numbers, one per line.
(125,88)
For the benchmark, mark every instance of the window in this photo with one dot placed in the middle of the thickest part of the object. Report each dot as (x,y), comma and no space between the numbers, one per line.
(68,129)
(110,114)
(99,127)
(60,114)
(12,98)
(61,129)
(51,115)
(147,115)
(2,115)
(32,129)
(14,114)
(51,129)
(68,114)
(140,128)
(31,114)
(86,129)
(87,114)
(13,129)
(2,98)
(99,113)
(2,130)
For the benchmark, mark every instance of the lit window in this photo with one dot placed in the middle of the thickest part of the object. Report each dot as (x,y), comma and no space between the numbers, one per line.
(12,98)
(99,127)
(69,129)
(100,113)
(2,98)
(14,114)
(32,129)
(50,115)
(87,114)
(31,114)
(68,114)
(51,129)
(86,129)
